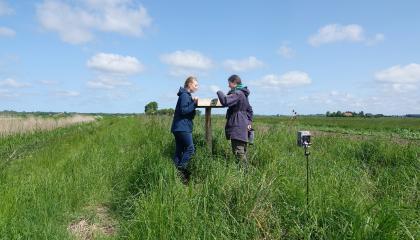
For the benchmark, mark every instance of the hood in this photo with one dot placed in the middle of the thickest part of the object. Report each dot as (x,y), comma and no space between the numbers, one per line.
(245,90)
(182,90)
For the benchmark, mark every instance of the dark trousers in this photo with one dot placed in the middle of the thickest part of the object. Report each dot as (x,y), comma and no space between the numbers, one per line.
(184,149)
(239,149)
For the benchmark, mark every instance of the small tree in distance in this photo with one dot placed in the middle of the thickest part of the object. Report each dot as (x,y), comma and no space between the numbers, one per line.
(151,108)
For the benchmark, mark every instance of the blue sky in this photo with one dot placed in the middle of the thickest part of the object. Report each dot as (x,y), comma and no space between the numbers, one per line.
(118,55)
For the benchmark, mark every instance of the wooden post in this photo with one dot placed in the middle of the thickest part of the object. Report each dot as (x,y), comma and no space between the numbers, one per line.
(208,129)
(208,104)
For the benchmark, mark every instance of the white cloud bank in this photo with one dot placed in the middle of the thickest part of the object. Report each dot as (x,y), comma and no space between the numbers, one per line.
(336,32)
(12,83)
(4,93)
(77,23)
(400,78)
(186,62)
(113,70)
(287,80)
(242,65)
(114,63)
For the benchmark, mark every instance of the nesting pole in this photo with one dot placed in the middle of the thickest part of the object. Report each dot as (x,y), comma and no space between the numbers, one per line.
(208,104)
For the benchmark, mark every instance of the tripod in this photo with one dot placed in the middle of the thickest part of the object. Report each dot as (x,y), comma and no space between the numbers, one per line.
(306,147)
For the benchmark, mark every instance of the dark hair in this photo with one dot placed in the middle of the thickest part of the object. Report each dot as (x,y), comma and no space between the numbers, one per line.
(189,80)
(235,79)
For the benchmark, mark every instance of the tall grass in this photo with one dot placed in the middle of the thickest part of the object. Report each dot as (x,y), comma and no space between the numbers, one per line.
(12,124)
(359,189)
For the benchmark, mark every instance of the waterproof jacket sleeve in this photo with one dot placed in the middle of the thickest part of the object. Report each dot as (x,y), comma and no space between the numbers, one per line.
(187,105)
(249,113)
(228,100)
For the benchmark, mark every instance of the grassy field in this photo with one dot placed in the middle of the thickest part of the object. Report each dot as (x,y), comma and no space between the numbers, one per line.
(406,128)
(114,179)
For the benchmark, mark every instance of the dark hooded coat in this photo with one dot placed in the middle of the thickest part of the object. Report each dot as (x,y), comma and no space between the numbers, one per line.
(239,114)
(184,112)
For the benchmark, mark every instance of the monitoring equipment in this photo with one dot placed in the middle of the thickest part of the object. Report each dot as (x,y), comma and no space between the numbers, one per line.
(304,140)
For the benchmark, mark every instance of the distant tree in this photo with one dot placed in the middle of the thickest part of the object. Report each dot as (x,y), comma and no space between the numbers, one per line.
(338,114)
(328,114)
(197,112)
(361,114)
(151,108)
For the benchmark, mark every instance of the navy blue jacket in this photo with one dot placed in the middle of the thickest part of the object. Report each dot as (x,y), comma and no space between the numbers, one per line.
(184,112)
(239,114)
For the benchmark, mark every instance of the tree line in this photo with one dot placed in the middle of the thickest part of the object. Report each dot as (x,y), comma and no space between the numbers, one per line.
(351,114)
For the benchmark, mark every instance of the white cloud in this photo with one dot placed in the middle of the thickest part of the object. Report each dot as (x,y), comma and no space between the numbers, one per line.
(7,32)
(336,100)
(187,59)
(108,82)
(400,78)
(66,93)
(400,74)
(76,23)
(287,80)
(286,51)
(113,69)
(12,83)
(186,62)
(336,32)
(117,64)
(5,9)
(242,65)
(402,88)
(4,93)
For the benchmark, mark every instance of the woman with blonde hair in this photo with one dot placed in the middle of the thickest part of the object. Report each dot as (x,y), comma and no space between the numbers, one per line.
(182,126)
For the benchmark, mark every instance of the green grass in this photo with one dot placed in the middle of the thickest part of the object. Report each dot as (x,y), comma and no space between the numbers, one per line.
(385,127)
(359,189)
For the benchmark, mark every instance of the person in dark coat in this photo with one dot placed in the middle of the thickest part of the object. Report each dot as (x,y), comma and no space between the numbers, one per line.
(182,127)
(238,117)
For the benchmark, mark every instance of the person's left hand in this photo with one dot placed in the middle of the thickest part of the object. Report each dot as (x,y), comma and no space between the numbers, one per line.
(249,127)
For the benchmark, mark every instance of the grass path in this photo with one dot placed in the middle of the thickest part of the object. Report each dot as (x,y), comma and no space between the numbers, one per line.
(67,171)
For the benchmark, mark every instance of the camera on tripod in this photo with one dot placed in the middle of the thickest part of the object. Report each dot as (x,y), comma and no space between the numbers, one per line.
(303,138)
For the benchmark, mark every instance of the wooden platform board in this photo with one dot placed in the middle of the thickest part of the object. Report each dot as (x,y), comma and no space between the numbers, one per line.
(207,102)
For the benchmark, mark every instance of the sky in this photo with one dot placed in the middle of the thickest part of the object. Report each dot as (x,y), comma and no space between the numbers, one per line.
(115,56)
